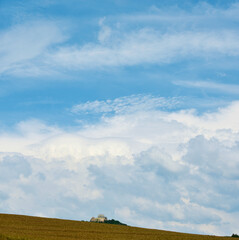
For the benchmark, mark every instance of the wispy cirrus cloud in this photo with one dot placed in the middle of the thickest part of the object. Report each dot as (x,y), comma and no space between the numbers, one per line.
(221,87)
(148,46)
(201,15)
(23,46)
(122,45)
(162,37)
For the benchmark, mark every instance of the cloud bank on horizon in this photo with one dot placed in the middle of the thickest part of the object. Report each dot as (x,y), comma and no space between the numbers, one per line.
(152,168)
(127,109)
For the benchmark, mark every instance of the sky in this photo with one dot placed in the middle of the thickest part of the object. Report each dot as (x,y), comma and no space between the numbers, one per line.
(125,108)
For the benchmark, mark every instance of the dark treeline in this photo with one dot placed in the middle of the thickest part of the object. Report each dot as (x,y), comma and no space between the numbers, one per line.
(112,221)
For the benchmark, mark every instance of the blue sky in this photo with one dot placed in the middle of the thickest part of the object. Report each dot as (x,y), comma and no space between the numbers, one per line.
(112,98)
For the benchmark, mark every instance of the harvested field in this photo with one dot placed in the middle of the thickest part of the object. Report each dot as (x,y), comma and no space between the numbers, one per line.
(18,227)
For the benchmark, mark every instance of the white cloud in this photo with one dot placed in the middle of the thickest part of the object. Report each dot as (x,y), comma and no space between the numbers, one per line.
(105,32)
(221,87)
(125,213)
(201,15)
(128,104)
(223,119)
(170,170)
(41,46)
(23,44)
(148,46)
(160,36)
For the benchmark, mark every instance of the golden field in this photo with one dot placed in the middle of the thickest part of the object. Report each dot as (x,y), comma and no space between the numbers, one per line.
(18,227)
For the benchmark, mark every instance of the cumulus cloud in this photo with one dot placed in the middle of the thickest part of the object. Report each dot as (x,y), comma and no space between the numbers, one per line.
(152,168)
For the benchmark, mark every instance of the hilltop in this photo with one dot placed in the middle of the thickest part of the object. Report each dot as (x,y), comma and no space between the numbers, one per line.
(18,227)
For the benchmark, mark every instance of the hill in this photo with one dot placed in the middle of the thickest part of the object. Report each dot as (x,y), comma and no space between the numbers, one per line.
(18,227)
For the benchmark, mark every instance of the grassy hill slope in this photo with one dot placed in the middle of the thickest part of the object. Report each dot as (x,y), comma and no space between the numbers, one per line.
(13,227)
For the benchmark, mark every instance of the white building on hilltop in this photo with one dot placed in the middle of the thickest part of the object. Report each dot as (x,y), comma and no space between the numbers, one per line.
(100,218)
